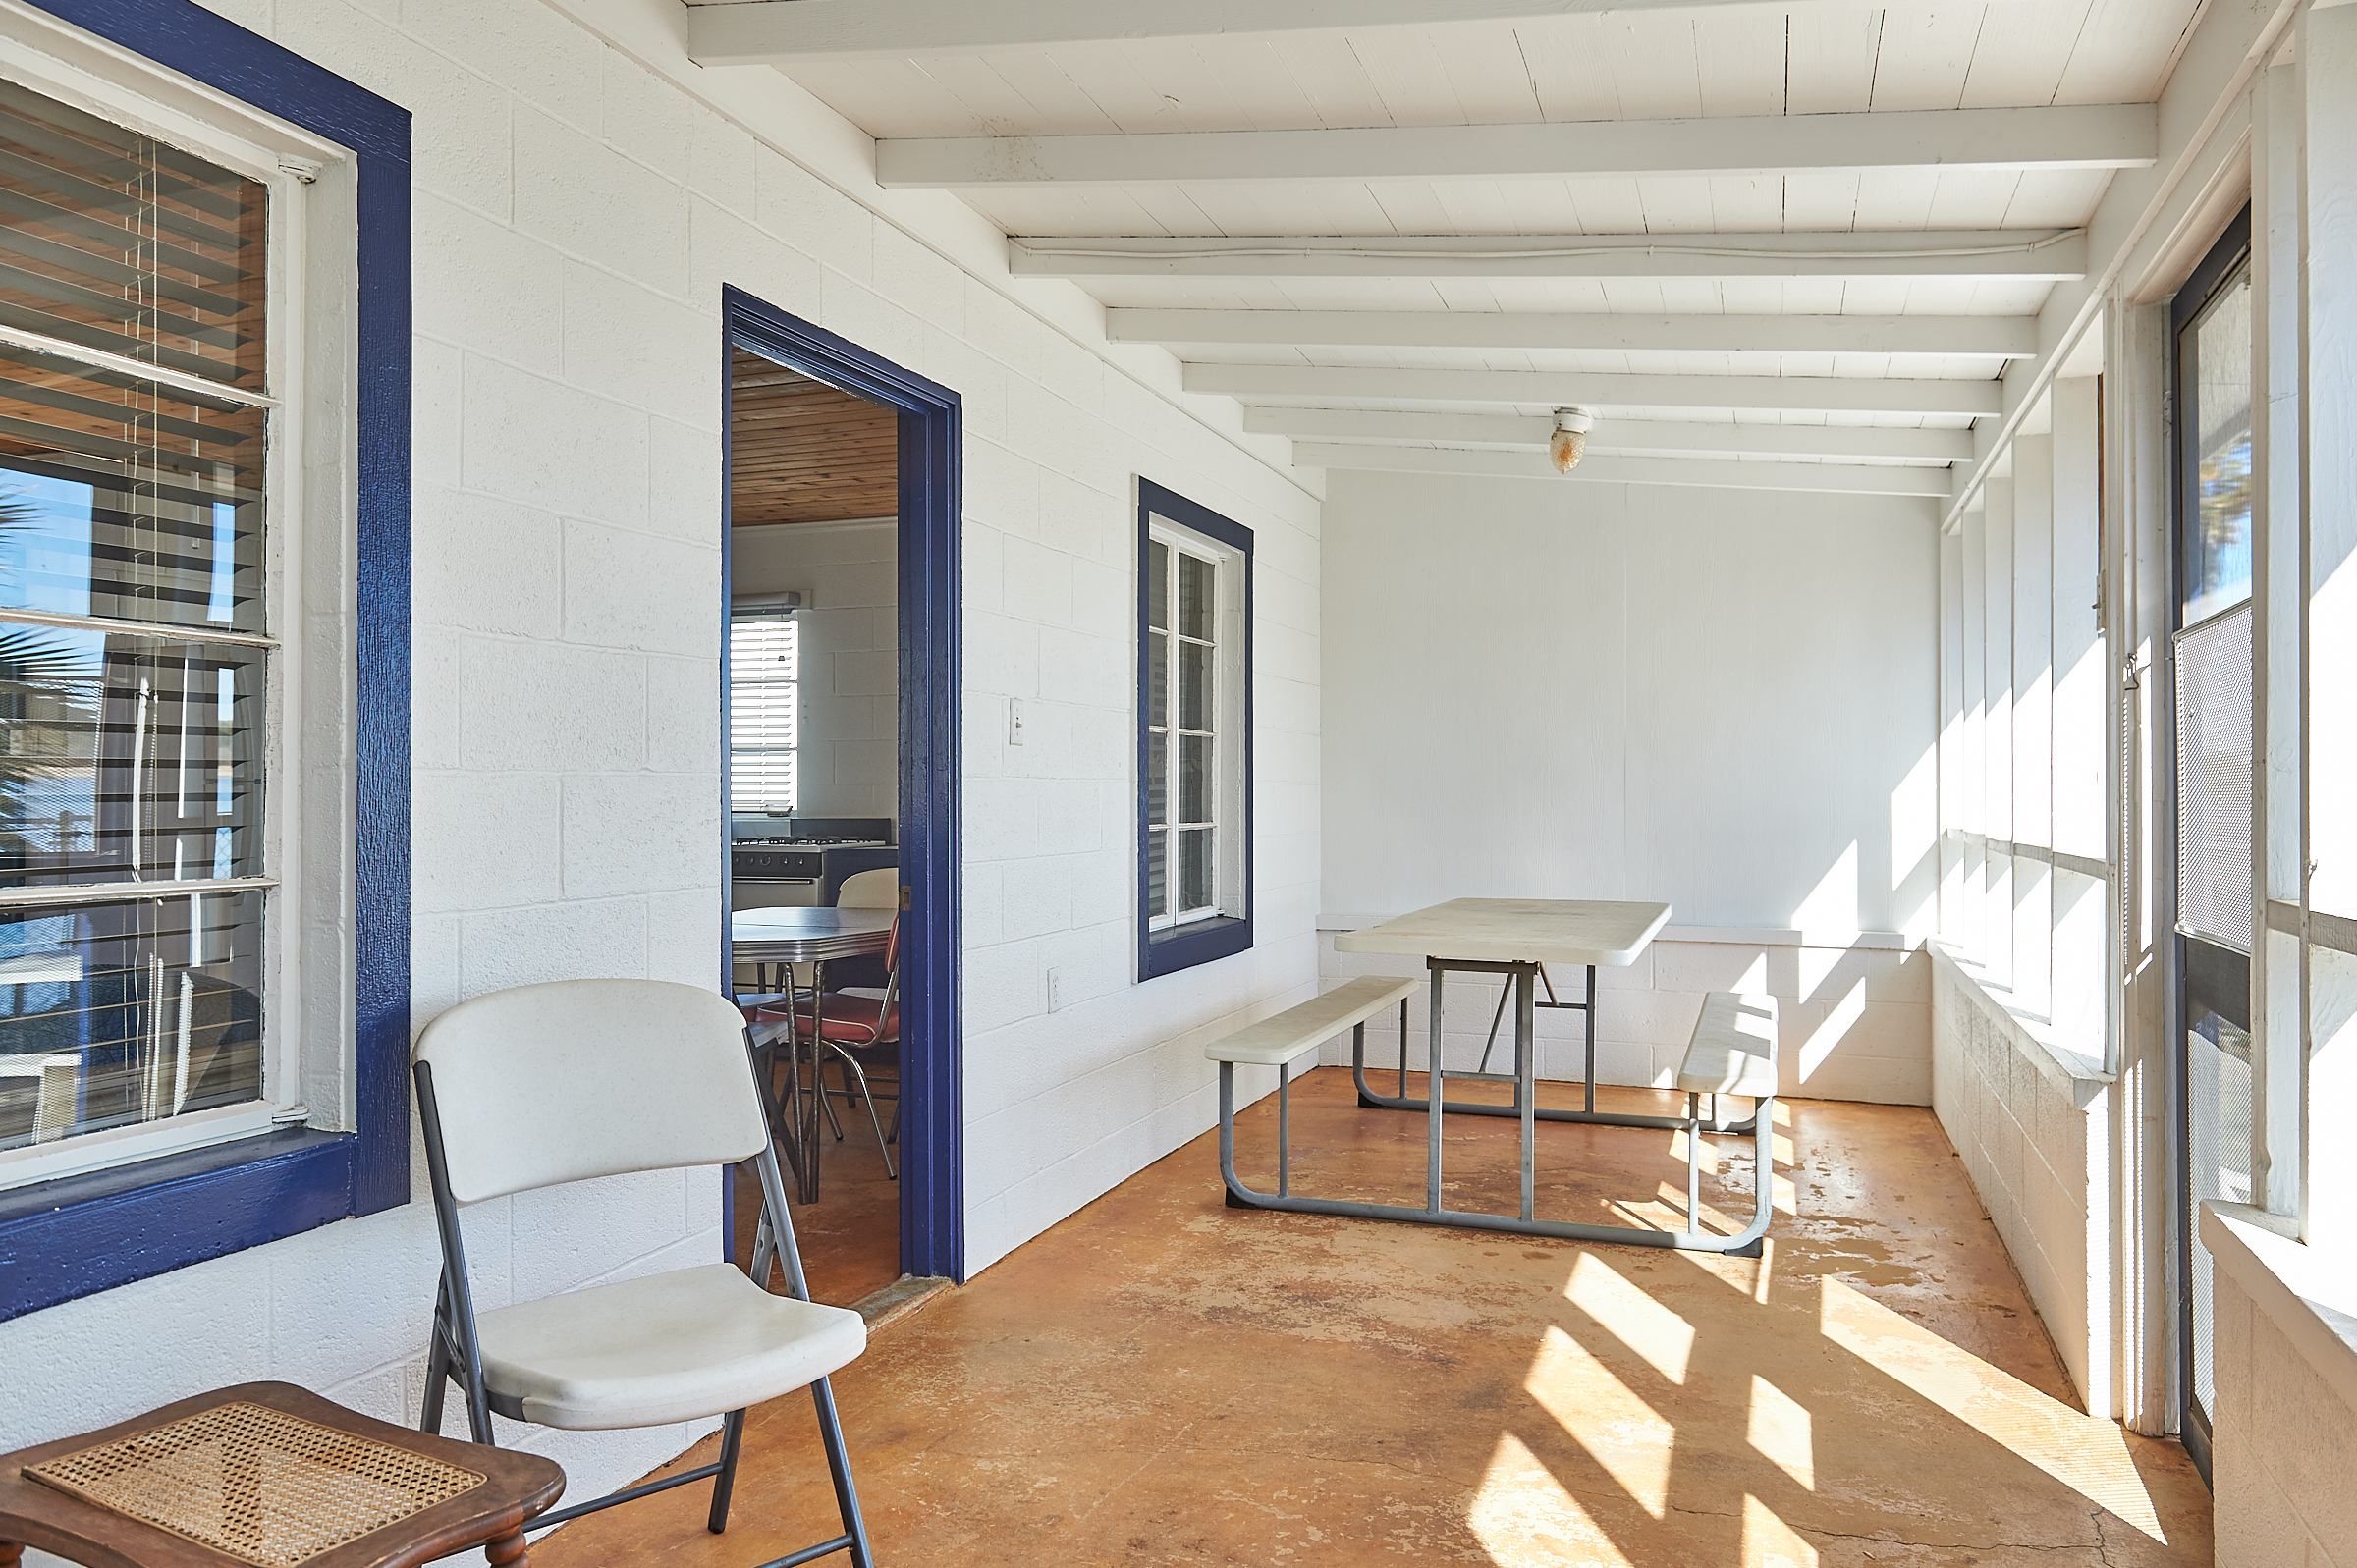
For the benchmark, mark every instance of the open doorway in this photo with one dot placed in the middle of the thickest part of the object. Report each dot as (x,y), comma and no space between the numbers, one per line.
(840,638)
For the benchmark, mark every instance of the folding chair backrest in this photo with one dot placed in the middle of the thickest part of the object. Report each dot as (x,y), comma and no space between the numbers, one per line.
(544,1084)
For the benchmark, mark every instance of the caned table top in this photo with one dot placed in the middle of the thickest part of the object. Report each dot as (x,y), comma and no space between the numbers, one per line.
(1575,931)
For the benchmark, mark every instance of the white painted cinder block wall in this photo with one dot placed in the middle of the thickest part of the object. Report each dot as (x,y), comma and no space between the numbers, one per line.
(576,214)
(847,752)
(1722,700)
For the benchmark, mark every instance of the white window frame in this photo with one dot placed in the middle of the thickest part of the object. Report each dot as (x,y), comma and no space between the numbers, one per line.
(785,613)
(1228,643)
(311,525)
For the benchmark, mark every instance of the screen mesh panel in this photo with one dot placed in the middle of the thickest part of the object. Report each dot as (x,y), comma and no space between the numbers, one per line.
(2213,779)
(2220,1157)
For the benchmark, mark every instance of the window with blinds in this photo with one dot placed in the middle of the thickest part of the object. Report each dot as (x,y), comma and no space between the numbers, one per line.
(137,659)
(764,708)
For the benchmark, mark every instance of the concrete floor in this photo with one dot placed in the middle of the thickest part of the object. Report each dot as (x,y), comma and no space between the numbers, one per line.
(850,1238)
(1163,1380)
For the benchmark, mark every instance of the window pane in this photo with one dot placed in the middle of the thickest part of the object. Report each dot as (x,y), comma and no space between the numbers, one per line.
(1157,584)
(2217,375)
(1158,679)
(1194,686)
(1158,780)
(126,756)
(2217,1091)
(125,498)
(118,243)
(1194,597)
(1194,778)
(1194,870)
(1157,852)
(115,1013)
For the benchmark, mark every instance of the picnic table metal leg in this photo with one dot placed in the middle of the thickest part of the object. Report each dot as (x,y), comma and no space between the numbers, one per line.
(1432,1092)
(1526,1078)
(1284,1130)
(1694,1162)
(1590,1018)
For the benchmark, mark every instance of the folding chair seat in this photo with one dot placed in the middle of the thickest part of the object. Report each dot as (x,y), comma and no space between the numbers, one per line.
(542,1085)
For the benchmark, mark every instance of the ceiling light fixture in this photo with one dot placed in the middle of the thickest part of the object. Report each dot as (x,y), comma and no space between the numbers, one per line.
(1569,443)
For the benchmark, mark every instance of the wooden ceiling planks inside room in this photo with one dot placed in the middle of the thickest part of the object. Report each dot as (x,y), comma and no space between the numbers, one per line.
(803,452)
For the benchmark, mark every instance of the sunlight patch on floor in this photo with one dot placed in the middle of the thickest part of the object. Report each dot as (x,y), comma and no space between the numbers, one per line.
(1778,1428)
(1521,1514)
(1642,1324)
(2087,1455)
(1629,1438)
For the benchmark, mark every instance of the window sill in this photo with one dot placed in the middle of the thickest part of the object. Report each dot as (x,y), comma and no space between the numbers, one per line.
(1201,941)
(2311,1296)
(78,1235)
(2058,1055)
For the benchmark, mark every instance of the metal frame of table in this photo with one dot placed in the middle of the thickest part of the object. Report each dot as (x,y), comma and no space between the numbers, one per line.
(1522,976)
(798,1136)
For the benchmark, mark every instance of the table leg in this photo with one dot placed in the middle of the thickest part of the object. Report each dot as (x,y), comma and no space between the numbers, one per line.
(1590,1016)
(1432,1092)
(1526,1078)
(809,1112)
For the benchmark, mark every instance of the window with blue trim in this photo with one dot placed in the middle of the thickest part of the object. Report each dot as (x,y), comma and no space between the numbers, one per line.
(1194,661)
(205,343)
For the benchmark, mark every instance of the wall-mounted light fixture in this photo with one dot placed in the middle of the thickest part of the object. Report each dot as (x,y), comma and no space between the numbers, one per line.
(1569,443)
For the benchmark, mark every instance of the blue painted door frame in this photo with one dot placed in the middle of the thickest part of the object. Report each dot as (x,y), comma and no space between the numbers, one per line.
(932,488)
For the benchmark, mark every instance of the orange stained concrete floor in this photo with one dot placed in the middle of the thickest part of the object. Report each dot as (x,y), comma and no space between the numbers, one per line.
(1163,1380)
(850,1238)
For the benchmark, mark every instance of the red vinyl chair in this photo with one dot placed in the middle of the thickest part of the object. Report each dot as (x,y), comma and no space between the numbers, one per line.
(861,1032)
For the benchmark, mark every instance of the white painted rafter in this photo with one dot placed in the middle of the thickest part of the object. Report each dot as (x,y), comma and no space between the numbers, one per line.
(2113,136)
(1994,337)
(1558,388)
(1616,435)
(784,32)
(2043,255)
(1719,475)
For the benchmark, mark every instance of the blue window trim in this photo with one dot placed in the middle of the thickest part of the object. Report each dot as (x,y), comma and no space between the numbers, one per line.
(78,1235)
(1203,941)
(932,510)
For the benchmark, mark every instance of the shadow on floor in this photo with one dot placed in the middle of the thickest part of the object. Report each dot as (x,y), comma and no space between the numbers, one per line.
(1163,1380)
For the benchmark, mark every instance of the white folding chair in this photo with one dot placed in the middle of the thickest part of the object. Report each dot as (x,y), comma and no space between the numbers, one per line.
(542,1085)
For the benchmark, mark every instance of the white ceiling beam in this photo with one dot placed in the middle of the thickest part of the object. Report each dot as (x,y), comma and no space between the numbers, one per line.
(1558,388)
(2111,135)
(2040,255)
(1846,479)
(1995,337)
(784,32)
(1616,435)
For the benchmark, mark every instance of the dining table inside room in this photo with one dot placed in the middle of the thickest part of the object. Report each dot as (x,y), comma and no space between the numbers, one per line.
(774,942)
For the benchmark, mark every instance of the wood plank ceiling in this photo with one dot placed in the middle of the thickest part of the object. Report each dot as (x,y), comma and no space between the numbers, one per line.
(1279,201)
(800,451)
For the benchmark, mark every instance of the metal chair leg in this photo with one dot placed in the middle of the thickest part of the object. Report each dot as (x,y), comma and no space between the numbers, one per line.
(839,1464)
(731,1439)
(850,1066)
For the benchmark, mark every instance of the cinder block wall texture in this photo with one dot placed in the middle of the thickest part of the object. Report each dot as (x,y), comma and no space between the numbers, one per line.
(577,215)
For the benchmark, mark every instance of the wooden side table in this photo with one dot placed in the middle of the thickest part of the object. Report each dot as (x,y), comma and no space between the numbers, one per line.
(266,1475)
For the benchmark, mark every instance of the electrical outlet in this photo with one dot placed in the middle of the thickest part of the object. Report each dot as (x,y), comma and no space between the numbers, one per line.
(1054,990)
(1014,721)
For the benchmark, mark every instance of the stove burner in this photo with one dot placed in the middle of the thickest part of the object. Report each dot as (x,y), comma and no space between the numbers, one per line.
(812,843)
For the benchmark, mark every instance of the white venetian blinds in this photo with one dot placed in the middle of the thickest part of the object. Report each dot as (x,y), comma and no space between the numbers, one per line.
(764,707)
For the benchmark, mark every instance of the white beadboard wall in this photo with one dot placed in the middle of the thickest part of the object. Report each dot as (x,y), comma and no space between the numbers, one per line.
(577,213)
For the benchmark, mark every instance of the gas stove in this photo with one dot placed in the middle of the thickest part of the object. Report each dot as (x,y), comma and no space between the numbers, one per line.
(805,865)
(812,843)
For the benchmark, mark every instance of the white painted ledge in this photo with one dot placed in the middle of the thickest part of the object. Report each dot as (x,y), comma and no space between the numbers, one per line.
(2076,1072)
(1737,936)
(2309,1294)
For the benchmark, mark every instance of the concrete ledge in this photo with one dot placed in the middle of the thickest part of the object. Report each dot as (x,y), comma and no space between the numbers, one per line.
(1739,936)
(2074,1072)
(2309,1295)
